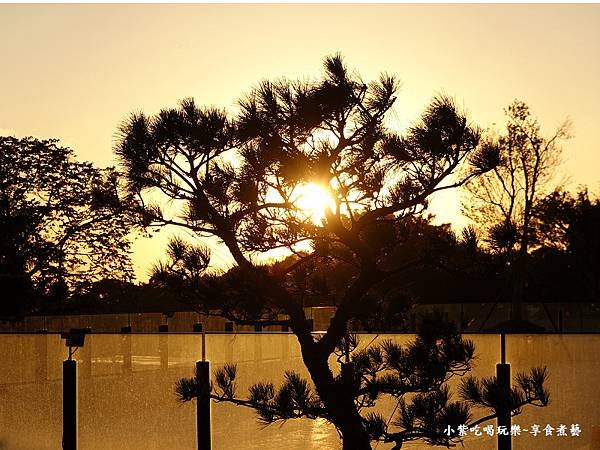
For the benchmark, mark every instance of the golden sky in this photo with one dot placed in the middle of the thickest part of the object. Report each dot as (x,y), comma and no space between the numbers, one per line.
(73,72)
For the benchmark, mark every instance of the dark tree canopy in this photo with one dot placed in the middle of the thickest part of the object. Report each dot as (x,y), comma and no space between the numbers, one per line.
(63,225)
(238,177)
(566,264)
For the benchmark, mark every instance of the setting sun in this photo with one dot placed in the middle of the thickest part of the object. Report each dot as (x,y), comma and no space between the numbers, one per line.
(313,200)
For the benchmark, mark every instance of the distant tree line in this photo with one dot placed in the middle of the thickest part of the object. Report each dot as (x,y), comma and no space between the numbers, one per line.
(63,225)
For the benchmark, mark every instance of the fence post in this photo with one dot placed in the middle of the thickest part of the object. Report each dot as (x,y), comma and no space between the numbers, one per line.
(126,350)
(41,351)
(258,353)
(203,405)
(163,346)
(503,377)
(86,359)
(561,322)
(348,377)
(69,405)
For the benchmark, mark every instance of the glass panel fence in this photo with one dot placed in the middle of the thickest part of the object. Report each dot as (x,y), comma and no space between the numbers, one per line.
(126,391)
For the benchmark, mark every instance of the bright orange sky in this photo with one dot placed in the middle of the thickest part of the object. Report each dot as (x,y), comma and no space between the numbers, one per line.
(73,72)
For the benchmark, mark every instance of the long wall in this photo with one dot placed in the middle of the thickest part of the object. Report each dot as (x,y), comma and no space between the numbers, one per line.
(471,317)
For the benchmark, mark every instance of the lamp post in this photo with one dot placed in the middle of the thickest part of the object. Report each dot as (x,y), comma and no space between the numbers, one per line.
(503,377)
(74,339)
(203,429)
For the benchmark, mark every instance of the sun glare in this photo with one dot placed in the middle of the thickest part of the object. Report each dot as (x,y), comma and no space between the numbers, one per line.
(313,200)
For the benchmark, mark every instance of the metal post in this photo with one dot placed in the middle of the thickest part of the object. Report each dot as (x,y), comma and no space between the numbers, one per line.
(347,365)
(348,376)
(163,346)
(41,350)
(203,405)
(69,405)
(311,324)
(126,350)
(85,354)
(561,323)
(203,344)
(285,348)
(258,354)
(503,377)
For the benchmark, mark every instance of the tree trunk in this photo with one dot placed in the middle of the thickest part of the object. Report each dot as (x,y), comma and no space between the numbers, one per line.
(337,396)
(519,268)
(517,291)
(338,400)
(354,436)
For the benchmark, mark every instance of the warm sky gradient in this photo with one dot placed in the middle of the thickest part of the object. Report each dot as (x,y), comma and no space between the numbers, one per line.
(73,72)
